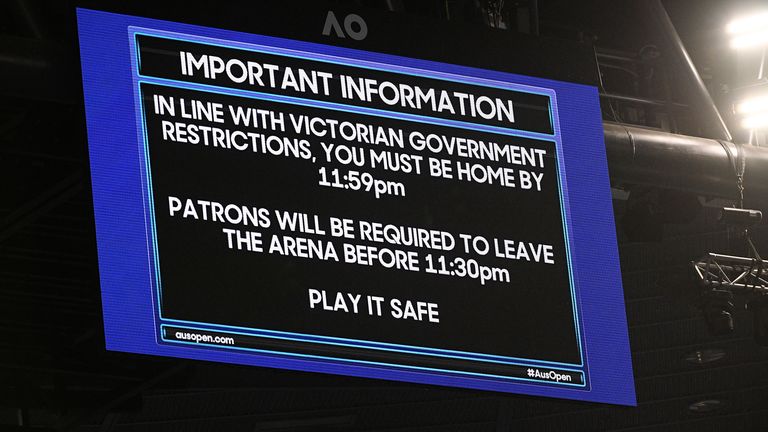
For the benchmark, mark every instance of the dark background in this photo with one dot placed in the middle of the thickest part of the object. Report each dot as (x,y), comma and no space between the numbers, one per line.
(55,373)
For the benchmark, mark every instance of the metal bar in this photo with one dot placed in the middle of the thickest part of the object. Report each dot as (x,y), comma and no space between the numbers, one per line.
(640,100)
(620,68)
(533,11)
(23,9)
(738,259)
(710,115)
(601,53)
(22,416)
(741,287)
(753,271)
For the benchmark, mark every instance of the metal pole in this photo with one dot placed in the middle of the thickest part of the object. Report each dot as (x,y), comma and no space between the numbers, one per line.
(710,116)
(534,16)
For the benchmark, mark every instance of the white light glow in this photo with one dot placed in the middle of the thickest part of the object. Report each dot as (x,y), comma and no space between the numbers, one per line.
(750,40)
(749,31)
(757,21)
(753,105)
(758,121)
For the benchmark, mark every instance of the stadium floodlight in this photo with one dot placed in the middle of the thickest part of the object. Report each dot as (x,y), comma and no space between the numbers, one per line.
(754,111)
(756,39)
(754,105)
(756,122)
(749,31)
(755,21)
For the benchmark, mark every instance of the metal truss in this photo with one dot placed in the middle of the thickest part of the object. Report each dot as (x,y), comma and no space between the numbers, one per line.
(734,273)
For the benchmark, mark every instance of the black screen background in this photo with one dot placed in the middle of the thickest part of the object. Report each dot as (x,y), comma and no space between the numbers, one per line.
(204,281)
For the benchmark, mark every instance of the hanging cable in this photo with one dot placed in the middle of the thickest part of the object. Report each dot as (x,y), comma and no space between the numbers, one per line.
(615,114)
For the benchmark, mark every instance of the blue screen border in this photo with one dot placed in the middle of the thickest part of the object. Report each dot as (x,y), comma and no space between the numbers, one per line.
(594,259)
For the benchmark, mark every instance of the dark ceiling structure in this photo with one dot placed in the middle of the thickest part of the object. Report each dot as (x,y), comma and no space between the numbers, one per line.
(55,373)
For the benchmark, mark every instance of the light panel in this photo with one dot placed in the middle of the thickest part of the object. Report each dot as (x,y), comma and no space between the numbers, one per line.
(749,31)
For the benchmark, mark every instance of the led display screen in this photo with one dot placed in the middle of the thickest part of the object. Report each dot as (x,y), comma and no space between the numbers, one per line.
(286,204)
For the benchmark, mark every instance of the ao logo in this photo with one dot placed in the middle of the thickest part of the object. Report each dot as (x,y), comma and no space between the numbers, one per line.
(354,26)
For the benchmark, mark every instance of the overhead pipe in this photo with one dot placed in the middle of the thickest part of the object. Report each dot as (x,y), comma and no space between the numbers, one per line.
(642,156)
